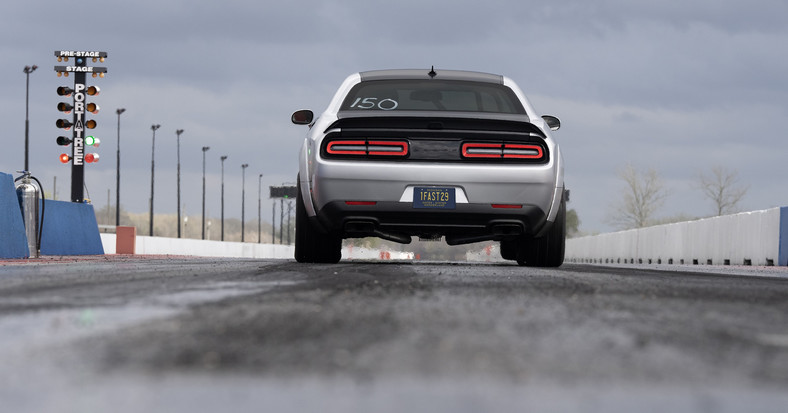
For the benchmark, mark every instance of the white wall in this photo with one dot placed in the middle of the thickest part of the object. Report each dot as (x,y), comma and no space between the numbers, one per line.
(146,245)
(749,236)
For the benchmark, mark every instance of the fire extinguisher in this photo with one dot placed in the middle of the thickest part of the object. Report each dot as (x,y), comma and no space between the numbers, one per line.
(28,195)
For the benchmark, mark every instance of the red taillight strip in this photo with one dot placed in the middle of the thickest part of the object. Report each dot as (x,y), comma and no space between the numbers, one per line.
(481,150)
(511,150)
(364,147)
(388,148)
(499,150)
(507,206)
(347,148)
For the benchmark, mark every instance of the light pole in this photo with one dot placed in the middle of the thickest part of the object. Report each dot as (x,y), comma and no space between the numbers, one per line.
(28,70)
(223,158)
(117,173)
(243,197)
(152,157)
(178,135)
(204,149)
(259,220)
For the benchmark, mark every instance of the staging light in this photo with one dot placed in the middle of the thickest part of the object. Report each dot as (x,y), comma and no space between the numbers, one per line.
(64,107)
(92,141)
(64,91)
(63,124)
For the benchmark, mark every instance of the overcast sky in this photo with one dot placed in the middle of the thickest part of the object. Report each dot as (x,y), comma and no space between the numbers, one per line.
(678,86)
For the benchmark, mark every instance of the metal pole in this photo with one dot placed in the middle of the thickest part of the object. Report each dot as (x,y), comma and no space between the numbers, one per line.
(178,223)
(273,222)
(223,158)
(28,70)
(281,217)
(117,173)
(289,214)
(243,197)
(259,219)
(204,149)
(152,157)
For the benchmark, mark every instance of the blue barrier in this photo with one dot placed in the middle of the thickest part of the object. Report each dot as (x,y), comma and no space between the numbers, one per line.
(70,229)
(13,241)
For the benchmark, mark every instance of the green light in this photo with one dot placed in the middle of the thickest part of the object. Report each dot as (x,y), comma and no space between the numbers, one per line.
(91,141)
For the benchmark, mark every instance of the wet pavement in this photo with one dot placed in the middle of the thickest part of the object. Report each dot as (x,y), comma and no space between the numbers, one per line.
(184,334)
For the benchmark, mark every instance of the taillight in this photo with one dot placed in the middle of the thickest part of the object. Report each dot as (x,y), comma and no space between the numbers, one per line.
(347,148)
(501,150)
(366,147)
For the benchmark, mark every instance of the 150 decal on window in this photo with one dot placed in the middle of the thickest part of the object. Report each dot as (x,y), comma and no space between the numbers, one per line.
(372,103)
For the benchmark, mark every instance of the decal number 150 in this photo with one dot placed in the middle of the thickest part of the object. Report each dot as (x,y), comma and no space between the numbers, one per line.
(371,103)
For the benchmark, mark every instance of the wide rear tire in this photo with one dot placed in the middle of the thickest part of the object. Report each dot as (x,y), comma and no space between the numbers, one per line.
(548,250)
(312,245)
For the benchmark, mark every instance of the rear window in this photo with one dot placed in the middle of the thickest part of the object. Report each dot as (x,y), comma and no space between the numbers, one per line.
(432,95)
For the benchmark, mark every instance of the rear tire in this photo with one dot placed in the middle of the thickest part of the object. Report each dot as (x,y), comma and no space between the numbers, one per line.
(548,250)
(312,245)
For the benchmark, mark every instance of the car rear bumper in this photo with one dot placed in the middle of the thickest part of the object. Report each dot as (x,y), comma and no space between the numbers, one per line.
(398,221)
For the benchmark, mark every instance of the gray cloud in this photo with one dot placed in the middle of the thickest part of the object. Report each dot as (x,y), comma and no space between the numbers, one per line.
(672,85)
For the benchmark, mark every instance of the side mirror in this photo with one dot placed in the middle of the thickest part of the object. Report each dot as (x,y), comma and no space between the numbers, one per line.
(302,117)
(552,122)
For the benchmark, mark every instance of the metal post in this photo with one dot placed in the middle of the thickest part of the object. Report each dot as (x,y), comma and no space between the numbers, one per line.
(223,158)
(178,138)
(204,149)
(273,223)
(281,217)
(28,70)
(117,173)
(243,197)
(259,219)
(289,214)
(152,157)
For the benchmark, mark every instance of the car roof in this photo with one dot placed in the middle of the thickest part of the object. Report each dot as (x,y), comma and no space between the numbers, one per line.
(441,74)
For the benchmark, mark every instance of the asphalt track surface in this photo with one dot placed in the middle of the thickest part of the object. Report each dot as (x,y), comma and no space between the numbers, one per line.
(181,334)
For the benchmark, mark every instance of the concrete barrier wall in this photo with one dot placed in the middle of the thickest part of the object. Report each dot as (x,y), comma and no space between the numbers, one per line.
(203,248)
(750,238)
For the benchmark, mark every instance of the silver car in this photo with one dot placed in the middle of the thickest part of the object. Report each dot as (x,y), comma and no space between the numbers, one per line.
(431,153)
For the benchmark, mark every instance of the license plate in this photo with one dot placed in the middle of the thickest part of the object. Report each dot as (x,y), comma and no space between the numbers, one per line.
(433,198)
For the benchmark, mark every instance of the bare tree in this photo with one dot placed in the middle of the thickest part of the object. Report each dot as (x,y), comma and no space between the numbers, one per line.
(644,195)
(722,187)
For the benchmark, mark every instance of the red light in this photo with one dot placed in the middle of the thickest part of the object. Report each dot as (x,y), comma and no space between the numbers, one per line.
(507,206)
(506,150)
(481,150)
(511,150)
(91,157)
(64,158)
(360,203)
(388,148)
(347,148)
(365,147)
